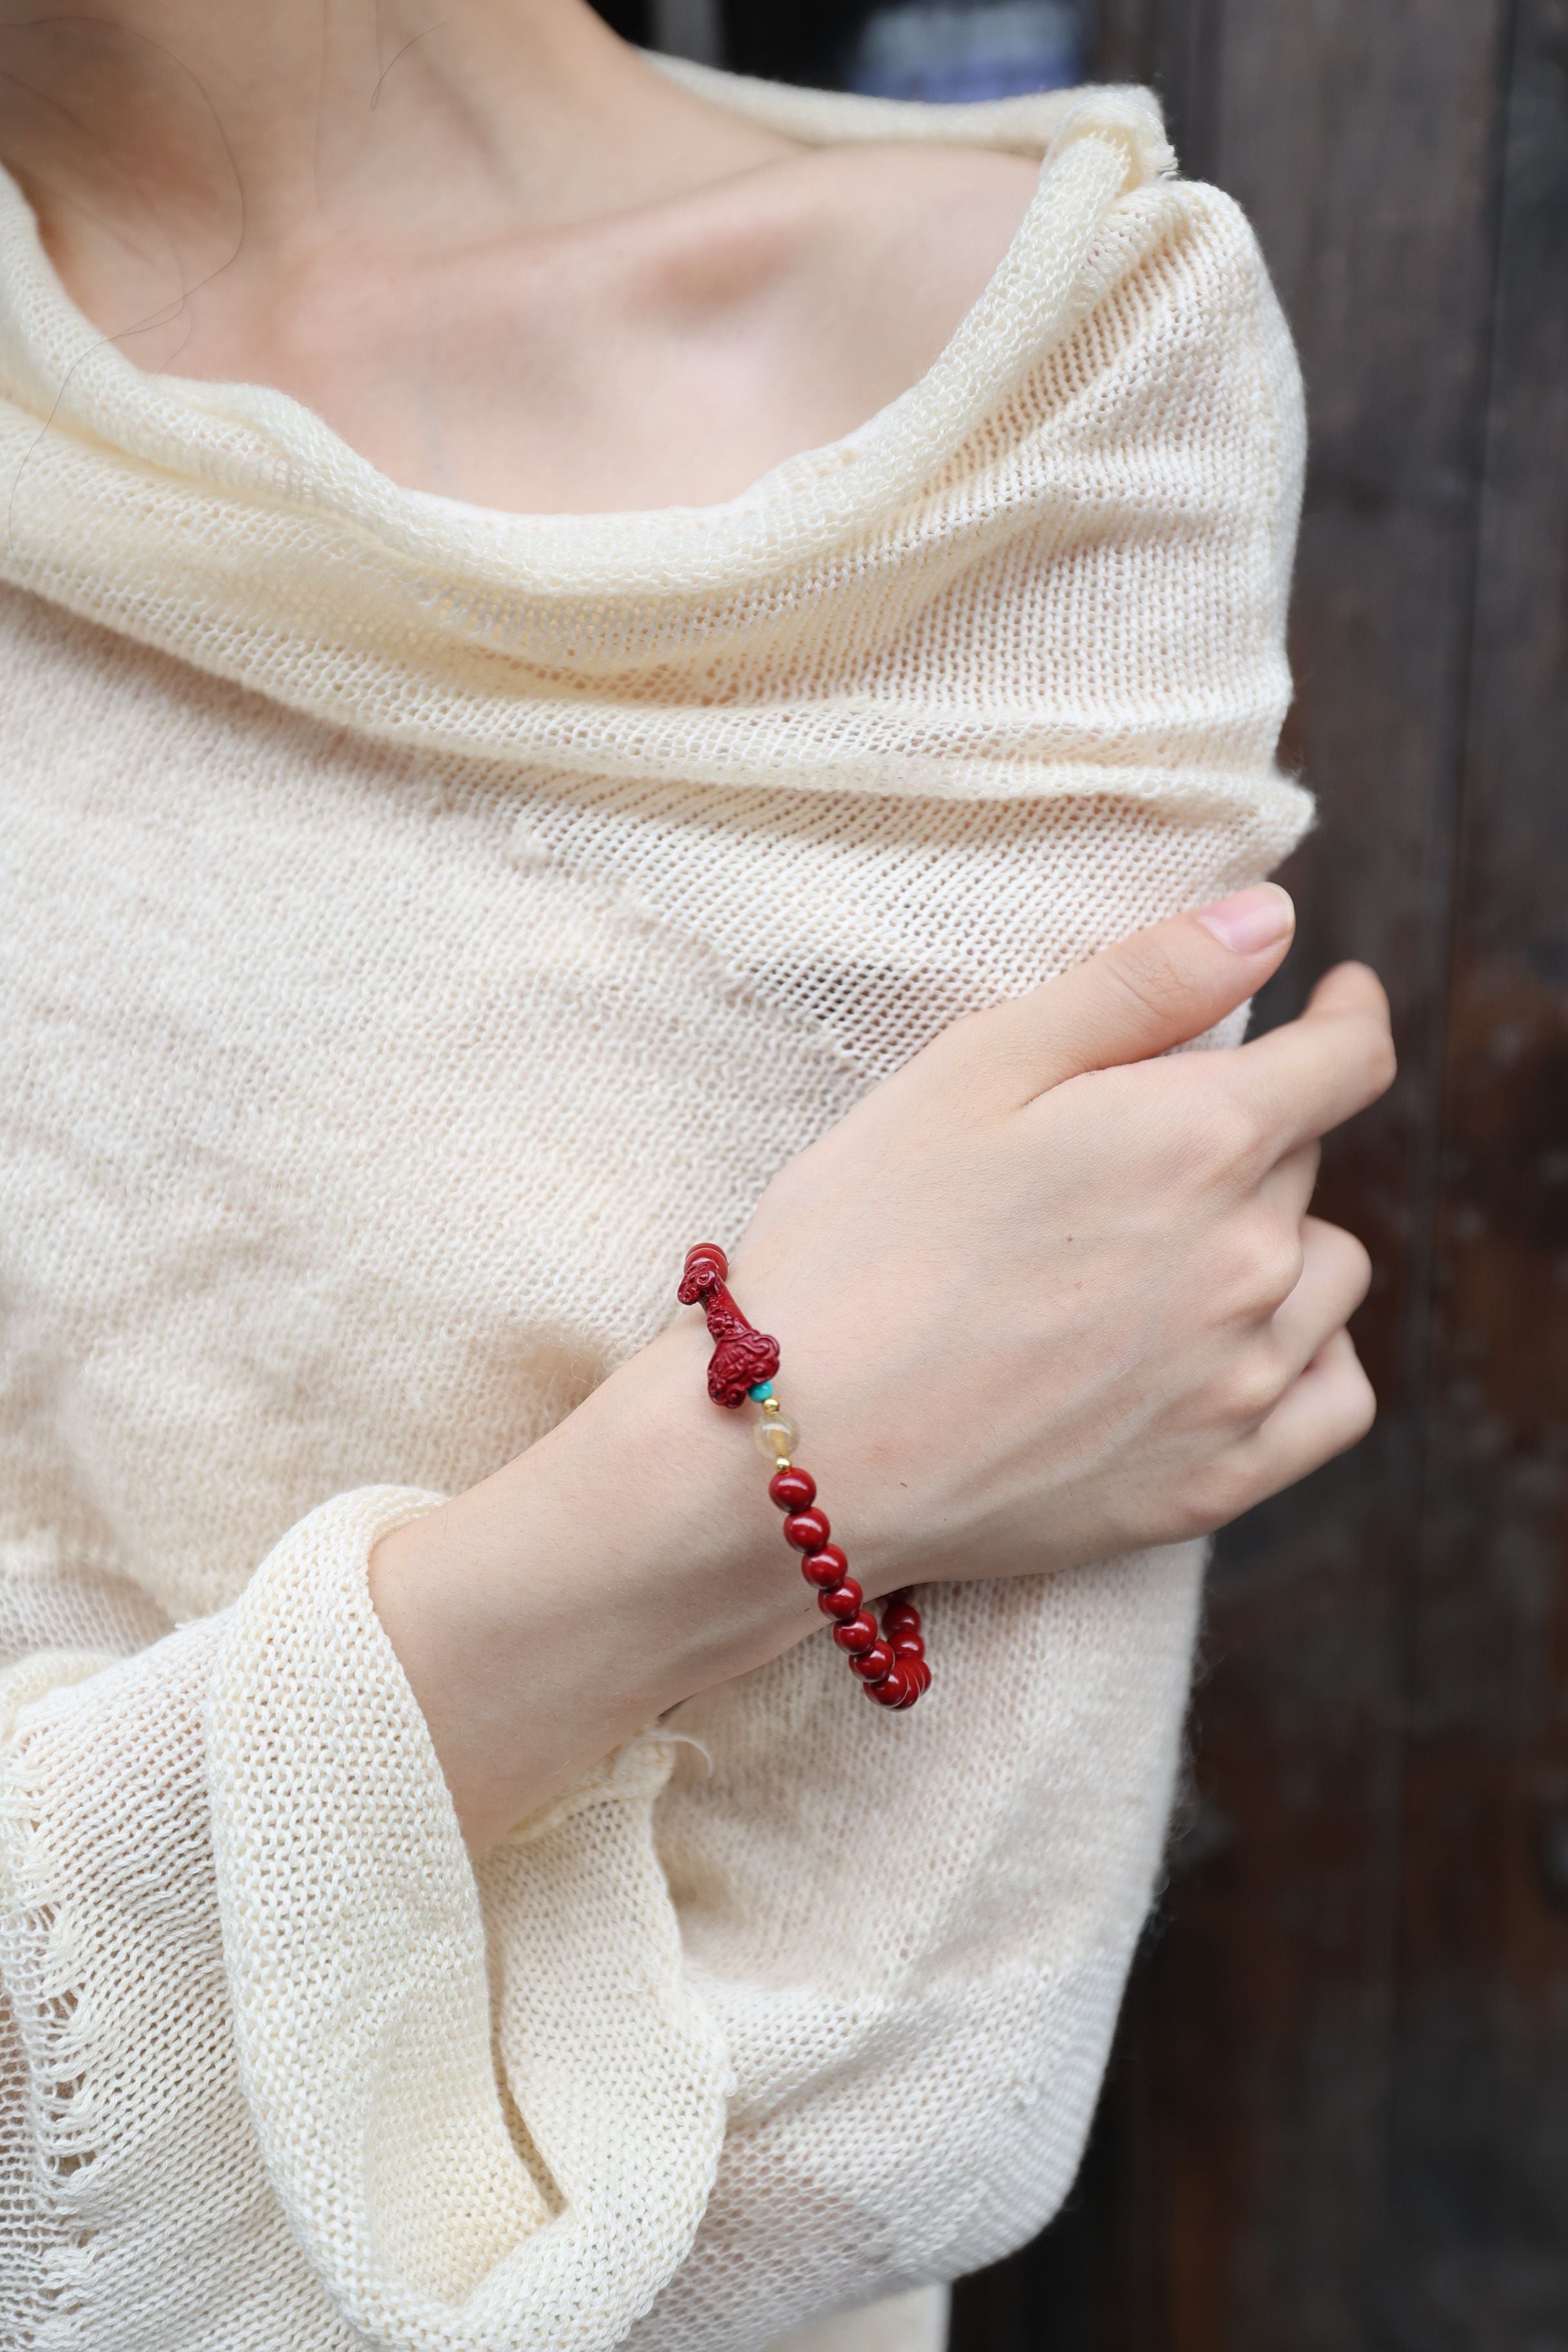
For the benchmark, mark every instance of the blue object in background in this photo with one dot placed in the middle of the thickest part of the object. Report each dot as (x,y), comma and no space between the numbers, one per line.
(946,50)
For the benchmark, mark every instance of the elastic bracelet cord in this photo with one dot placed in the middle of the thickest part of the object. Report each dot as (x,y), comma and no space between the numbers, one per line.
(889,1659)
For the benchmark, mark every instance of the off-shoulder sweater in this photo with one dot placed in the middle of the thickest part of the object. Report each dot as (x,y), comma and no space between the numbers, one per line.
(420,923)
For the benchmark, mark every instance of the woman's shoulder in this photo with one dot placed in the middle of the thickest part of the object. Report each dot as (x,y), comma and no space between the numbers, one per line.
(899,242)
(935,214)
(835,276)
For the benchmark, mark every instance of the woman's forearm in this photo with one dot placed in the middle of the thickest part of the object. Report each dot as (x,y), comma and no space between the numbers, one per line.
(628,1561)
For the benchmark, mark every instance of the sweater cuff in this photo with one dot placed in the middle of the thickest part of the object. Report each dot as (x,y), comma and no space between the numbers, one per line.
(454,2169)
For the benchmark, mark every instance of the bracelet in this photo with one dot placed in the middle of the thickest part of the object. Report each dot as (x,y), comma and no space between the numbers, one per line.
(889,1659)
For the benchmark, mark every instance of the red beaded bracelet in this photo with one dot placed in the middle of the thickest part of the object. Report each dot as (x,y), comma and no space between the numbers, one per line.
(889,1659)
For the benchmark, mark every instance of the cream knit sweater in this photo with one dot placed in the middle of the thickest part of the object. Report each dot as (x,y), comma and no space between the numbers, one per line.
(405,956)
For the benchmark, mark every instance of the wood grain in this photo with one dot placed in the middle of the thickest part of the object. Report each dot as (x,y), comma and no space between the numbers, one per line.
(1479,2144)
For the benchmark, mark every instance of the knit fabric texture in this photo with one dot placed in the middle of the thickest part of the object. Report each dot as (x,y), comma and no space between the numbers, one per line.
(423,923)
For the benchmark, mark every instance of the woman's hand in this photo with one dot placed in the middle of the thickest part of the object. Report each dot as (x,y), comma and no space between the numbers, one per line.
(1041,1299)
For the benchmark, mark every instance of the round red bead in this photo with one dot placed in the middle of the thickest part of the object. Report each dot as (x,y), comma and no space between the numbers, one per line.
(857,1636)
(843,1601)
(904,1645)
(900,1617)
(807,1530)
(893,1689)
(824,1568)
(792,1490)
(873,1664)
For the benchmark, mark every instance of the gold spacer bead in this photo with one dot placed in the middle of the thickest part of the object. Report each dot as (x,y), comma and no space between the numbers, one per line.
(784,1463)
(770,1405)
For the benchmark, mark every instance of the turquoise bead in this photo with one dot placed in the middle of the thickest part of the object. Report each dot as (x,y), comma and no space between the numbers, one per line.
(764,1389)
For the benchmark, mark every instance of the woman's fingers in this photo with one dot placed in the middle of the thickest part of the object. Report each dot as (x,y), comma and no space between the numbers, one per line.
(1160,988)
(1336,1274)
(1326,1411)
(1286,1192)
(1299,1394)
(1311,1074)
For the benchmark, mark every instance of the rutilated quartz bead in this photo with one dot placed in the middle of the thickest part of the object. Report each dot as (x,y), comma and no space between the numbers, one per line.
(775,1435)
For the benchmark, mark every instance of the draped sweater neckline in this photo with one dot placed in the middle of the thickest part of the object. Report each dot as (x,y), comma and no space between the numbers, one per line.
(785,637)
(254,442)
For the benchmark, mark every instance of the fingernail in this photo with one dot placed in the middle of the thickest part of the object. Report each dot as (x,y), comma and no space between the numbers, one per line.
(1252,919)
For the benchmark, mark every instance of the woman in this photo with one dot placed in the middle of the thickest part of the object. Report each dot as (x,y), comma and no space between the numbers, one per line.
(565,624)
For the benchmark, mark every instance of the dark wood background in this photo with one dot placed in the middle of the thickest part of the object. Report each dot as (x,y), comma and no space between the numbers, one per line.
(1337,2120)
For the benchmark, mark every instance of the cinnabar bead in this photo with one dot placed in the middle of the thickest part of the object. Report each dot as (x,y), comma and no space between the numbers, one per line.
(807,1530)
(893,1690)
(792,1490)
(918,1671)
(904,1645)
(824,1568)
(873,1664)
(843,1601)
(857,1636)
(900,1617)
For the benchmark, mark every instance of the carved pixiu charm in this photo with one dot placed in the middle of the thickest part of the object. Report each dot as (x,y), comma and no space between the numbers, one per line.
(742,1356)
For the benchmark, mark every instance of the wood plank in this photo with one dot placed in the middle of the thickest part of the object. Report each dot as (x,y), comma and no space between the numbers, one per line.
(1478,2247)
(1275,2025)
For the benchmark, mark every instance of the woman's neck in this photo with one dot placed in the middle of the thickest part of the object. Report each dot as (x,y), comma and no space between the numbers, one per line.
(166,141)
(498,252)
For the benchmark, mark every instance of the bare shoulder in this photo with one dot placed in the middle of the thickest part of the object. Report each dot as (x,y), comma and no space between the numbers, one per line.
(886,248)
(759,312)
(891,223)
(939,218)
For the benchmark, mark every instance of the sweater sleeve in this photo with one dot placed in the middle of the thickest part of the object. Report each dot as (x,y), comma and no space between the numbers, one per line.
(252,2098)
(915,1930)
(788,2007)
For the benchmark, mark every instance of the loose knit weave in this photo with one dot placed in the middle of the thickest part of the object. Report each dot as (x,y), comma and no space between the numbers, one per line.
(403,960)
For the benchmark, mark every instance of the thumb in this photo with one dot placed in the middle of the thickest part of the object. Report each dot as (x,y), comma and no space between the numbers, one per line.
(1160,988)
